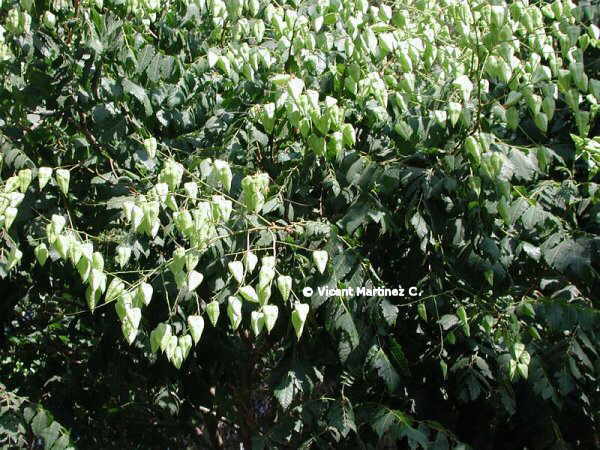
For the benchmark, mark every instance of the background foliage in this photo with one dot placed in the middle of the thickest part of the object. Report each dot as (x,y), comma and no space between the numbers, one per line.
(150,149)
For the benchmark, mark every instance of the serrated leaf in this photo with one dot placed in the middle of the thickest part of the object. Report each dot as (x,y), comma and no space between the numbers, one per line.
(342,418)
(380,362)
(139,93)
(144,58)
(385,419)
(389,312)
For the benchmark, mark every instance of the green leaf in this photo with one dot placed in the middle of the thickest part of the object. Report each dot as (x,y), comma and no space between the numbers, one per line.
(139,93)
(342,418)
(415,436)
(154,69)
(343,322)
(389,312)
(566,255)
(356,216)
(145,57)
(285,390)
(40,422)
(381,363)
(387,420)
(50,434)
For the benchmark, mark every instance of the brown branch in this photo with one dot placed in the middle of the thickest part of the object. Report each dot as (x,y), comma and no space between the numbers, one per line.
(89,137)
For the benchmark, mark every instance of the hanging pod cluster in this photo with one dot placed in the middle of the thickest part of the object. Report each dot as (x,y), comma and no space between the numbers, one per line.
(146,10)
(5,53)
(516,361)
(254,191)
(15,187)
(533,52)
(129,304)
(13,192)
(264,317)
(176,348)
(258,296)
(196,218)
(476,65)
(196,213)
(18,20)
(320,123)
(66,245)
(266,314)
(12,195)
(241,62)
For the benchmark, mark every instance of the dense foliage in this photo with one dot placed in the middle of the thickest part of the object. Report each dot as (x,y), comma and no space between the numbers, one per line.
(175,175)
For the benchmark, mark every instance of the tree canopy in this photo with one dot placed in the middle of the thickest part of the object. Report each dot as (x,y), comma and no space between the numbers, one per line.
(201,202)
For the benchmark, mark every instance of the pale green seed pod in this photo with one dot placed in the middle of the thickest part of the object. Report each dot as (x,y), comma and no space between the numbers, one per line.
(320,258)
(284,284)
(270,316)
(44,175)
(234,311)
(62,180)
(41,253)
(212,311)
(249,294)
(257,322)
(196,325)
(236,268)
(299,318)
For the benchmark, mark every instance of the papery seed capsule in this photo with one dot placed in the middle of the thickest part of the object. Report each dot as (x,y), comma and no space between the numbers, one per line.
(270,315)
(284,284)
(234,311)
(299,318)
(44,174)
(196,325)
(41,253)
(212,311)
(62,180)
(320,258)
